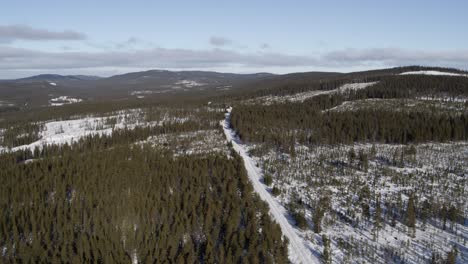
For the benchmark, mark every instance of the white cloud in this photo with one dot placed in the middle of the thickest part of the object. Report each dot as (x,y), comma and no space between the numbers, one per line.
(24,32)
(220,41)
(16,59)
(397,56)
(265,46)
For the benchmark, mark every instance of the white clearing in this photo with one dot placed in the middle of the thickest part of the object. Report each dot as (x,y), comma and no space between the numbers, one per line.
(63,100)
(70,131)
(434,73)
(189,83)
(300,249)
(301,97)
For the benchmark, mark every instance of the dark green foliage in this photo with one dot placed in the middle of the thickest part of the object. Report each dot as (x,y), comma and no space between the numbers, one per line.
(363,161)
(391,84)
(108,205)
(275,191)
(20,134)
(326,256)
(320,209)
(351,156)
(452,256)
(411,86)
(274,123)
(411,214)
(301,221)
(267,179)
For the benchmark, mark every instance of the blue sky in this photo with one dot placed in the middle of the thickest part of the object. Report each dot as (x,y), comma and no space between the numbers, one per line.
(110,37)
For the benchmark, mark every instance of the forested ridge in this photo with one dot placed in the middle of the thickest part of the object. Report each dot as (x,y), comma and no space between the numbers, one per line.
(310,121)
(390,84)
(110,206)
(373,166)
(282,123)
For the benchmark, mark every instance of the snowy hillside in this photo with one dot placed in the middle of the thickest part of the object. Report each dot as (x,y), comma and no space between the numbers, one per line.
(434,73)
(301,97)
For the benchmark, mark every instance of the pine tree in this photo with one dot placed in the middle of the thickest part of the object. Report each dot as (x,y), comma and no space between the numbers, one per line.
(411,215)
(452,256)
(363,161)
(327,258)
(378,218)
(351,156)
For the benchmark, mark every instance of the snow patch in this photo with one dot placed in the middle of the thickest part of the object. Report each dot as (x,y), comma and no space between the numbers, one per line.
(434,73)
(189,83)
(301,97)
(63,100)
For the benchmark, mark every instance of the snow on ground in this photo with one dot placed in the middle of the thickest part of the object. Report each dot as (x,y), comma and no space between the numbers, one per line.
(224,88)
(355,86)
(422,103)
(189,83)
(142,93)
(300,249)
(434,73)
(301,97)
(458,99)
(437,172)
(3,103)
(63,100)
(188,143)
(69,131)
(52,83)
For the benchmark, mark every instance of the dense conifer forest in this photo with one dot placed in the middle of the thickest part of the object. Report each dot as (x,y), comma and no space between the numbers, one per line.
(282,123)
(111,205)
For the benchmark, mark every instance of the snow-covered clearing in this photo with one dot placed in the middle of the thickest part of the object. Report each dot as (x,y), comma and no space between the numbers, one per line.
(190,143)
(69,131)
(301,97)
(63,100)
(422,103)
(434,73)
(142,93)
(300,249)
(189,83)
(3,103)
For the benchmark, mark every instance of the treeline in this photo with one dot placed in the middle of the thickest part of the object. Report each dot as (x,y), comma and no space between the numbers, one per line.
(101,142)
(97,108)
(20,135)
(411,86)
(390,84)
(130,203)
(282,124)
(23,133)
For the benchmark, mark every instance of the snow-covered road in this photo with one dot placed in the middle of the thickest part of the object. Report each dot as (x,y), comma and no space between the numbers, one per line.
(300,250)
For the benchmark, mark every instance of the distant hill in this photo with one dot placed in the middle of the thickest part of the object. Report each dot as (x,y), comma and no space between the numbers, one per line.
(57,77)
(38,90)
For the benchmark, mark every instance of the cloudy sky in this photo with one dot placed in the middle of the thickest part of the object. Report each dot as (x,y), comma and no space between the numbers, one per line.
(110,37)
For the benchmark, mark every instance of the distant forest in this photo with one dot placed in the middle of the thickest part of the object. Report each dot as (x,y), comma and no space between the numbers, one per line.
(309,123)
(390,84)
